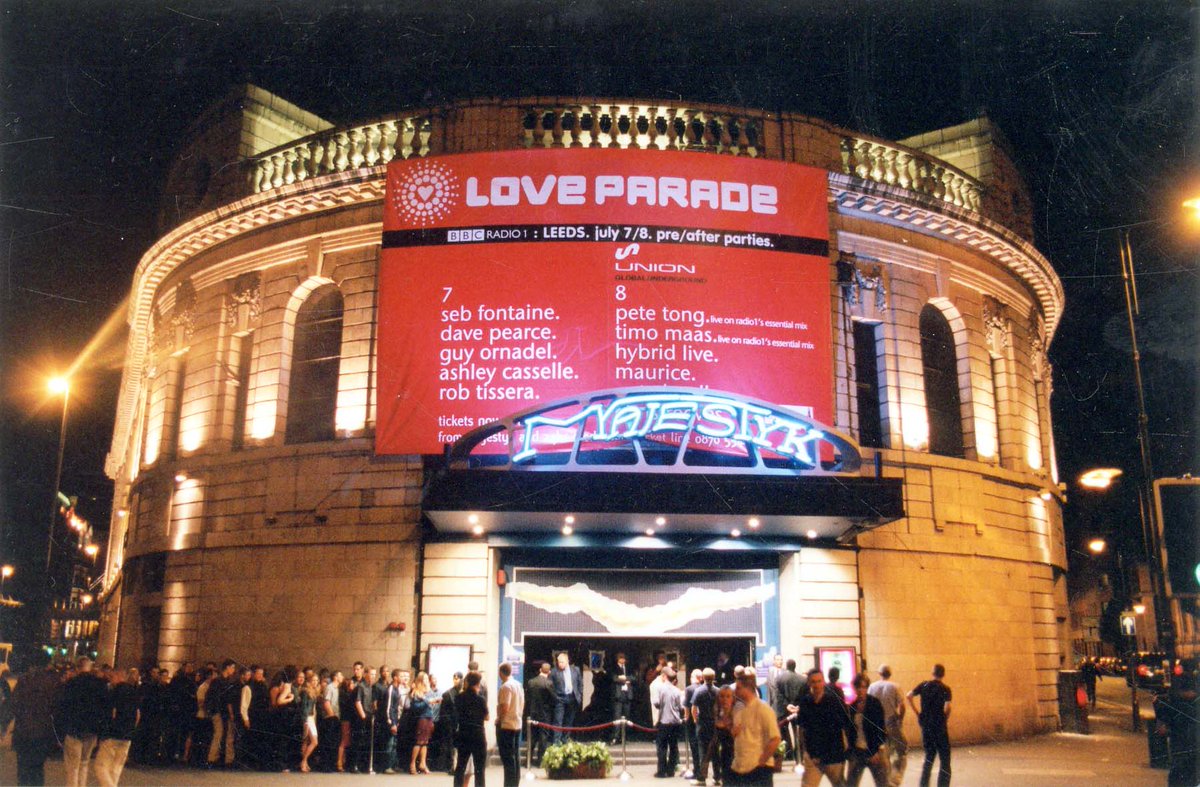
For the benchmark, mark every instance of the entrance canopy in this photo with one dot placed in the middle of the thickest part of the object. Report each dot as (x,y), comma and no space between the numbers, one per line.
(661,464)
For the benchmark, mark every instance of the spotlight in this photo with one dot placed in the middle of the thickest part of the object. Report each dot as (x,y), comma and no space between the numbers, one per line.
(477,530)
(569,519)
(472,518)
(753,523)
(650,531)
(735,533)
(811,534)
(660,521)
(567,530)
(180,477)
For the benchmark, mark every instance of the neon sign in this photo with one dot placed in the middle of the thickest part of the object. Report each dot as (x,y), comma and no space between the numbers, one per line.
(715,422)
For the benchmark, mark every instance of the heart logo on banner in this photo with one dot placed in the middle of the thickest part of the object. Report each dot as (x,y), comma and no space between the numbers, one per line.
(425,192)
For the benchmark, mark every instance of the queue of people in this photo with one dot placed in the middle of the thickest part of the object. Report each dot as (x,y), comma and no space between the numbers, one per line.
(392,721)
(230,716)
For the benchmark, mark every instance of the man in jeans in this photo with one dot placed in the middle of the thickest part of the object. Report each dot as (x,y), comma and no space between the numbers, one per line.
(510,706)
(124,700)
(889,695)
(933,714)
(82,714)
(824,727)
(755,737)
(223,697)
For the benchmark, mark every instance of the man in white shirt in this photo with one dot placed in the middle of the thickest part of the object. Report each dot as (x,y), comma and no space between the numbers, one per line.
(510,706)
(656,687)
(755,737)
(892,699)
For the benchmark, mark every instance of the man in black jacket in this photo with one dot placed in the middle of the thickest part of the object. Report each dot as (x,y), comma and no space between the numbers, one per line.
(867,736)
(824,725)
(33,703)
(82,714)
(539,701)
(789,689)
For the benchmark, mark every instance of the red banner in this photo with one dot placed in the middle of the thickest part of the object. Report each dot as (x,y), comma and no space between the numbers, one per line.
(514,278)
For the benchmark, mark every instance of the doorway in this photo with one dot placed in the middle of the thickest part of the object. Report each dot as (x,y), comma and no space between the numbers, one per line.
(640,655)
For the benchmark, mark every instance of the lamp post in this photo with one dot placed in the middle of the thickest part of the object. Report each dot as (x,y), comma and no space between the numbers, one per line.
(1151,527)
(59,386)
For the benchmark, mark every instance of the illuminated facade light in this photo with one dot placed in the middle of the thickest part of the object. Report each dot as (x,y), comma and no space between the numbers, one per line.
(569,519)
(1139,609)
(180,477)
(811,534)
(660,521)
(567,530)
(58,385)
(477,530)
(753,523)
(1097,545)
(735,533)
(650,531)
(91,550)
(472,519)
(1046,495)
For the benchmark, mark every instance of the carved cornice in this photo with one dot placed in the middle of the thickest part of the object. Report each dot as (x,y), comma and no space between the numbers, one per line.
(856,197)
(202,233)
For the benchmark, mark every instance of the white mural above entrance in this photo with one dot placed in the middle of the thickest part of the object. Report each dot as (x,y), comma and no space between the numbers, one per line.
(626,619)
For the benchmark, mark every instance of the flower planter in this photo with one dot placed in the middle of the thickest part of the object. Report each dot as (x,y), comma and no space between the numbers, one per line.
(585,771)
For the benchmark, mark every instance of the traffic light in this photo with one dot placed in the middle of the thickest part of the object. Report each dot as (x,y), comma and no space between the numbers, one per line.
(1178,503)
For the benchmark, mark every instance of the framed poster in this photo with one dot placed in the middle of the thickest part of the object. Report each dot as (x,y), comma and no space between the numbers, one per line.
(442,661)
(845,659)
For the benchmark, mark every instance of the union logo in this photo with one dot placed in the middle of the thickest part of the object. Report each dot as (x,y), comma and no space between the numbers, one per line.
(425,194)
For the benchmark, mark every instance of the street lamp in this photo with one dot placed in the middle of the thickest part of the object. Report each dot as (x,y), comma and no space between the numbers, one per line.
(1100,477)
(6,571)
(1097,545)
(91,550)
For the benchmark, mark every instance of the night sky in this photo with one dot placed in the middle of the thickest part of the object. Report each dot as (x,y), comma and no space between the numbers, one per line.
(1098,99)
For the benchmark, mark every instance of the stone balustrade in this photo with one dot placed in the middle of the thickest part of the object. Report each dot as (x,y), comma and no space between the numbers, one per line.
(643,127)
(609,124)
(368,145)
(878,161)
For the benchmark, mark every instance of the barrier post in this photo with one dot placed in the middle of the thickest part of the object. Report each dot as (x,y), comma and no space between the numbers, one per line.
(625,774)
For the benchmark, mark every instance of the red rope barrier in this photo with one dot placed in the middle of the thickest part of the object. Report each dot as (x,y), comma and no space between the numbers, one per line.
(640,728)
(593,728)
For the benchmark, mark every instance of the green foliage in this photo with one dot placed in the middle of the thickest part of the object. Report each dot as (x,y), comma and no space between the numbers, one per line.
(561,759)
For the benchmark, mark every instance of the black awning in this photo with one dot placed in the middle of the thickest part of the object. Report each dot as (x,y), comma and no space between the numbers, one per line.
(504,501)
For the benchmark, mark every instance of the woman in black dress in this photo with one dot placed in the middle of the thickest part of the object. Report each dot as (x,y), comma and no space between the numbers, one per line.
(472,713)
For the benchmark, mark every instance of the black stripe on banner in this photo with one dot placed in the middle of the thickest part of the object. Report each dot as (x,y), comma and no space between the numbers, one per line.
(605,233)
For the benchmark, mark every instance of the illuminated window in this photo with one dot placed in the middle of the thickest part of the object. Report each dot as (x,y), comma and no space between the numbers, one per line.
(866,383)
(242,346)
(942,403)
(312,393)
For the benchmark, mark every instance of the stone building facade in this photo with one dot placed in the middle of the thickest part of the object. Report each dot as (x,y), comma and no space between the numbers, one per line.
(244,528)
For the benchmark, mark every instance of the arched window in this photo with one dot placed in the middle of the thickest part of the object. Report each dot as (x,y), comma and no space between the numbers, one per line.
(942,403)
(316,354)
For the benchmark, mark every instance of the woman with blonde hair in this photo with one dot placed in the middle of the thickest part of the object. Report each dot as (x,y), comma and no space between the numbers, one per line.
(422,713)
(309,694)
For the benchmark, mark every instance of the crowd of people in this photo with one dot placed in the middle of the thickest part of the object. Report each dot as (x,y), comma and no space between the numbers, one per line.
(230,716)
(742,730)
(394,720)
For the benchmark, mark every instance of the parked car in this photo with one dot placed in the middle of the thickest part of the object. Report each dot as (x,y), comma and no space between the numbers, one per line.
(1151,669)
